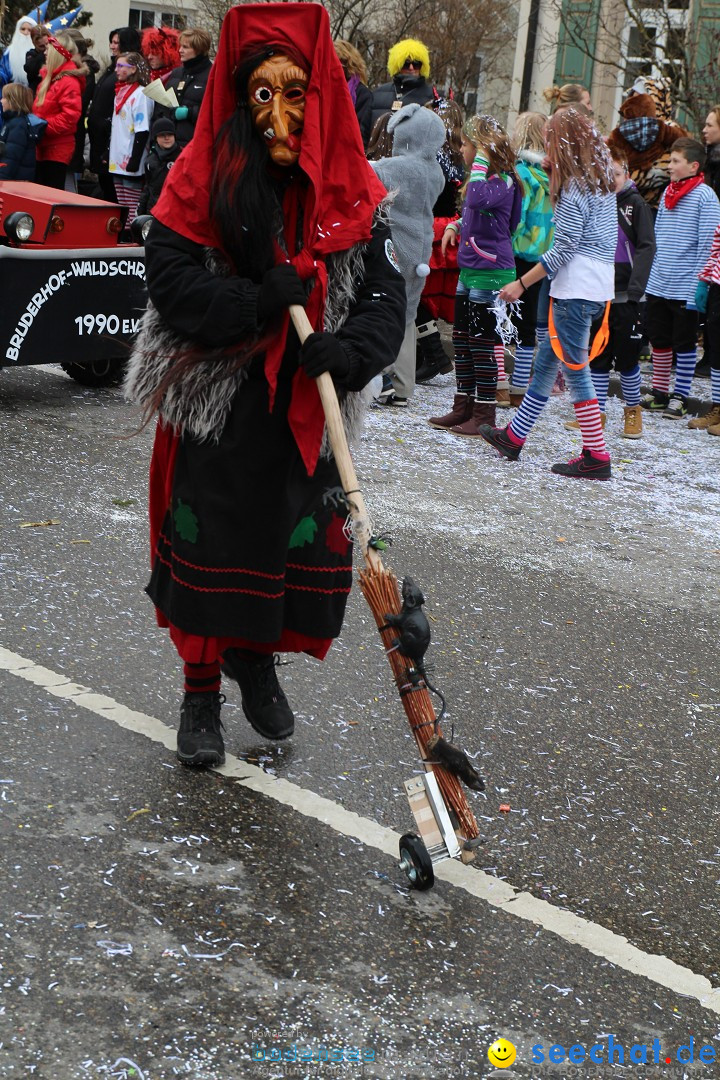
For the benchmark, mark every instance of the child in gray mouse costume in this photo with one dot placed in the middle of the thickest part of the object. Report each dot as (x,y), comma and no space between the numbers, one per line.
(414,180)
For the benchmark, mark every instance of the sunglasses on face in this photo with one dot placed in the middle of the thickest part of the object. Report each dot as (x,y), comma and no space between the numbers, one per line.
(130,67)
(414,64)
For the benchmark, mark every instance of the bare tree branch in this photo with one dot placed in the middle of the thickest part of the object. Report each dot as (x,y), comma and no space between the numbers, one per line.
(666,43)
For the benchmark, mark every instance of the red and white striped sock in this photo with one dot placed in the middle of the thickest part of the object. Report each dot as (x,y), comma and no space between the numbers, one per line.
(587,414)
(662,367)
(500,361)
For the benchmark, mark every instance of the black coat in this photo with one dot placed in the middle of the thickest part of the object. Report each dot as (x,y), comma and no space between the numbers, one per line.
(99,119)
(218,311)
(189,82)
(402,90)
(159,164)
(78,161)
(18,159)
(251,545)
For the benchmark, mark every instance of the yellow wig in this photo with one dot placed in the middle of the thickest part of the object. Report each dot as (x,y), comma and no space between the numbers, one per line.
(408,49)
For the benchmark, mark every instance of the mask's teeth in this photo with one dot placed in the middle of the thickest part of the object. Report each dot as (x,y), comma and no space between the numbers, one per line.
(269,134)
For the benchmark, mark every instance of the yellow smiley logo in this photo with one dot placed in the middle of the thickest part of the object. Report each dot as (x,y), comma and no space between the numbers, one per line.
(501,1054)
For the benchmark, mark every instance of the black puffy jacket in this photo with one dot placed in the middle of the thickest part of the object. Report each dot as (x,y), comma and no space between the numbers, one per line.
(189,82)
(403,89)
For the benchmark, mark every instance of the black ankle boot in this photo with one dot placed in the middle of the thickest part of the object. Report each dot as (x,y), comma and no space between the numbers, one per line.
(434,360)
(263,701)
(199,741)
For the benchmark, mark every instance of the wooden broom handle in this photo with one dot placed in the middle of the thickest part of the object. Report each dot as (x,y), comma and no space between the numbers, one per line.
(340,448)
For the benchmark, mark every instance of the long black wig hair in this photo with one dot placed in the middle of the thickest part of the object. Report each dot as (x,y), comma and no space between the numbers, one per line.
(246,189)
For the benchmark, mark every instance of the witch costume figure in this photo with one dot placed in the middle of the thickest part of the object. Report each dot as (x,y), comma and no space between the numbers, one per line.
(271,204)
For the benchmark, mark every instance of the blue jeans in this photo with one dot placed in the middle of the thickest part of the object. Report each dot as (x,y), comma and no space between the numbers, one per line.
(477,296)
(573,319)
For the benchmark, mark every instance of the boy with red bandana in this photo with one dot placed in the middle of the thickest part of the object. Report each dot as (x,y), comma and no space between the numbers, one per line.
(688,214)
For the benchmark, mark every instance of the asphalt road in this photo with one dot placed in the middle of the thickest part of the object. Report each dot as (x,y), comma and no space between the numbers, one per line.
(576,640)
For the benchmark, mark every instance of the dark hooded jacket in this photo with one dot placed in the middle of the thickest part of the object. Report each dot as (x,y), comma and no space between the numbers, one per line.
(400,91)
(636,244)
(159,164)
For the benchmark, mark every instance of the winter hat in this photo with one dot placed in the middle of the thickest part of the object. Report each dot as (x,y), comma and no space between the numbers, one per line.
(163,126)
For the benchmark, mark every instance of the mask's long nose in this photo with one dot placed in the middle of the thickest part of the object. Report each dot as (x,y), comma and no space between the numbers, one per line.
(280,124)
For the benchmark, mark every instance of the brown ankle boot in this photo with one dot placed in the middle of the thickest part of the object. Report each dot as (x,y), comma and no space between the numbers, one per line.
(710,419)
(461,411)
(483,413)
(633,422)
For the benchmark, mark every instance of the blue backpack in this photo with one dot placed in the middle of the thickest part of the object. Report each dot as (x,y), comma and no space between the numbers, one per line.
(36,127)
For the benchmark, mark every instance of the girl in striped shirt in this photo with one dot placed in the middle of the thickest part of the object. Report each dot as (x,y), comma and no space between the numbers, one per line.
(581,268)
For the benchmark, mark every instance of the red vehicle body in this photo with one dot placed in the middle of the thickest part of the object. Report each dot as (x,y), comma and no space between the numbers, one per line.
(70,292)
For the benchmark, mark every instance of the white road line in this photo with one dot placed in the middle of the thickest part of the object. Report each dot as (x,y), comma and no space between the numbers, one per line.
(571,928)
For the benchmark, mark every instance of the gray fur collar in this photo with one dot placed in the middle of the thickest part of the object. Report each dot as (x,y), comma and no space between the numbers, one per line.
(199,402)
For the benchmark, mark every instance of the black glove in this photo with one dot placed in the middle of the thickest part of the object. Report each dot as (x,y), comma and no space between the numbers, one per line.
(323,352)
(280,288)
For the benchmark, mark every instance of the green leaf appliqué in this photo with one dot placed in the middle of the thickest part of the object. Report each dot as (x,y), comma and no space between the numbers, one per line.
(304,532)
(186,523)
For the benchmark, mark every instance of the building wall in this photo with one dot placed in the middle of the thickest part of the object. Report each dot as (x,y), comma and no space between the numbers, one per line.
(606,28)
(109,14)
(496,80)
(535,57)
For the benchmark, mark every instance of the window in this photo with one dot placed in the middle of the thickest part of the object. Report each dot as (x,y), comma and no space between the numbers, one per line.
(656,43)
(141,17)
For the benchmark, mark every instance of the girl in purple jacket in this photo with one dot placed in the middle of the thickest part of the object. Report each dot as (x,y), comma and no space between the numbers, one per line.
(491,212)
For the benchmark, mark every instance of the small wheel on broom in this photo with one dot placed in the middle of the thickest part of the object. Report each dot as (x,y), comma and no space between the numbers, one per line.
(416,862)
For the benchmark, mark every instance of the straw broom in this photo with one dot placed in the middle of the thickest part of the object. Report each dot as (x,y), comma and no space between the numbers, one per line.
(380,589)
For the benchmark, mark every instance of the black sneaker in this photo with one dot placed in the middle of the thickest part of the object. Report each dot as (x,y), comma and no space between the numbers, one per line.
(199,741)
(387,389)
(498,438)
(263,701)
(677,408)
(585,467)
(655,400)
